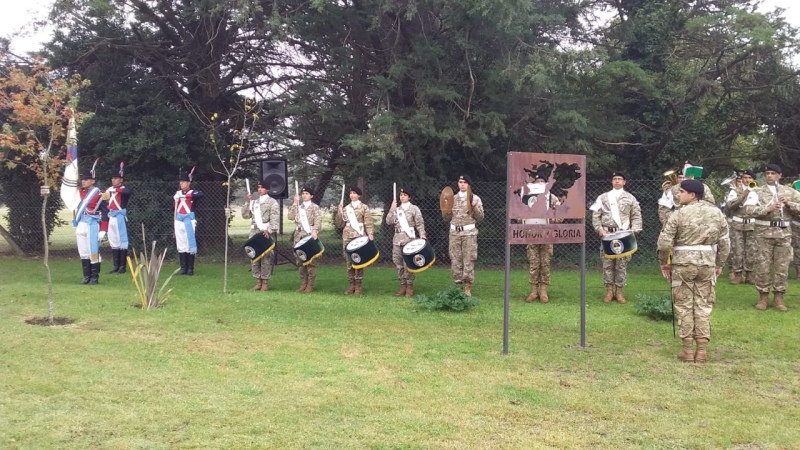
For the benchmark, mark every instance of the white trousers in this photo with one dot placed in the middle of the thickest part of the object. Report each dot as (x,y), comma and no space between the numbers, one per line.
(181,242)
(82,236)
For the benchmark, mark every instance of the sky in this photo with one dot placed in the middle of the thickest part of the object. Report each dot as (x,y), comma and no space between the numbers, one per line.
(16,15)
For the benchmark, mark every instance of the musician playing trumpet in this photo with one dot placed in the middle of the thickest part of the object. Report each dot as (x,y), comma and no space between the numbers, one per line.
(743,241)
(690,171)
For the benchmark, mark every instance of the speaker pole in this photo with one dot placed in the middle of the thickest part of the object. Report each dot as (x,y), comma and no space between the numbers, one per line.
(278,252)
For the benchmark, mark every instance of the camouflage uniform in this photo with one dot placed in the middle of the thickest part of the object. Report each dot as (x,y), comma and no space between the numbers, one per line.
(539,255)
(270,217)
(363,216)
(308,273)
(615,270)
(743,242)
(464,239)
(415,222)
(773,236)
(690,234)
(796,247)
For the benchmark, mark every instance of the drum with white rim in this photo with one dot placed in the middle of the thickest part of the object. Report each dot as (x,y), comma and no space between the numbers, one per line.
(619,244)
(362,252)
(418,255)
(258,246)
(308,249)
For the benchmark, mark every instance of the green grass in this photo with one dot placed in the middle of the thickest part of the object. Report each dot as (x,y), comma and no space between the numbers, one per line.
(322,370)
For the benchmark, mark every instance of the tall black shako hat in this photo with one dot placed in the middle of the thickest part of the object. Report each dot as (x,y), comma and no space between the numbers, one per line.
(118,172)
(89,174)
(183,175)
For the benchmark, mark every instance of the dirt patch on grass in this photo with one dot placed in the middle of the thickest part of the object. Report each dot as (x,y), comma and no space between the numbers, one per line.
(45,322)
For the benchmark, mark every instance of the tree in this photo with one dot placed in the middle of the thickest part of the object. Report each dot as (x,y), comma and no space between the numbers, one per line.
(37,105)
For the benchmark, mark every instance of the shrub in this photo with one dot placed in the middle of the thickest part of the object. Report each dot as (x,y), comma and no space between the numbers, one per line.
(656,307)
(452,299)
(145,278)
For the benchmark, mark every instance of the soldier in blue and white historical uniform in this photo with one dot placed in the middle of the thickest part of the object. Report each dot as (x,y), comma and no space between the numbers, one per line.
(118,197)
(91,226)
(184,204)
(264,212)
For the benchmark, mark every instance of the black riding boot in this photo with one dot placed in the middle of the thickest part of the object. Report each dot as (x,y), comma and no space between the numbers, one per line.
(123,260)
(87,271)
(115,257)
(189,264)
(95,273)
(182,257)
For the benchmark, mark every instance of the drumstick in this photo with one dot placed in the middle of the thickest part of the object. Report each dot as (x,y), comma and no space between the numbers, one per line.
(247,182)
(341,202)
(296,189)
(394,191)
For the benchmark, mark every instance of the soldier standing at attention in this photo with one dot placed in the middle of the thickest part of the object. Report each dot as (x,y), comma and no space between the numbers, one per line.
(539,255)
(355,220)
(264,213)
(691,234)
(408,224)
(118,197)
(771,205)
(184,204)
(467,210)
(743,243)
(616,210)
(308,222)
(91,226)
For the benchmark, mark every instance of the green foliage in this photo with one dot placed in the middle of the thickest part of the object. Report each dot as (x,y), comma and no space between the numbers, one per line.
(656,307)
(450,299)
(145,277)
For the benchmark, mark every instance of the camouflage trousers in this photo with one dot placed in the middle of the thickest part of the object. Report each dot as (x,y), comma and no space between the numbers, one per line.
(773,254)
(539,256)
(262,269)
(309,271)
(463,253)
(744,249)
(693,299)
(615,271)
(403,274)
(796,243)
(352,274)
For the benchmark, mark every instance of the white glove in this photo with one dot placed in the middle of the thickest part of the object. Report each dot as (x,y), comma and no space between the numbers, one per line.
(101,236)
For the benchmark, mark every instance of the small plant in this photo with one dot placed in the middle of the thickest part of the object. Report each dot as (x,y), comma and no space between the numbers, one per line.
(452,299)
(656,307)
(145,278)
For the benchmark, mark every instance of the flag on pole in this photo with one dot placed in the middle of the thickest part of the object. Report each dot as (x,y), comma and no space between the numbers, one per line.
(70,182)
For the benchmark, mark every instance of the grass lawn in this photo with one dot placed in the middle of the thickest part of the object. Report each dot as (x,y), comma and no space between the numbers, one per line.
(322,370)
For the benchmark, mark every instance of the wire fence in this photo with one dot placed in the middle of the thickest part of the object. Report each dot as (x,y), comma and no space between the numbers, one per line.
(150,207)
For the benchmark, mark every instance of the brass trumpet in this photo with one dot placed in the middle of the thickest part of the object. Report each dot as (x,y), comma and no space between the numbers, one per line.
(672,180)
(752,184)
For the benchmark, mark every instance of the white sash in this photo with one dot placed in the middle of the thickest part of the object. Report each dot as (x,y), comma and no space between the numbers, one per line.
(180,198)
(354,223)
(303,216)
(612,202)
(112,200)
(255,208)
(403,221)
(666,199)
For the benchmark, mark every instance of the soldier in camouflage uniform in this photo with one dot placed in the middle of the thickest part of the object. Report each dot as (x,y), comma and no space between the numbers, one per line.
(408,224)
(771,206)
(308,221)
(690,236)
(743,242)
(616,210)
(355,219)
(464,234)
(539,255)
(264,213)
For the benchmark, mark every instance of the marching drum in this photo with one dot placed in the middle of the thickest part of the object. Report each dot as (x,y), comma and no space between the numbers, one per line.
(362,252)
(308,249)
(619,244)
(258,246)
(418,255)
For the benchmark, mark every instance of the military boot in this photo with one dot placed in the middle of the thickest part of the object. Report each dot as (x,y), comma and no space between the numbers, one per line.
(115,259)
(763,298)
(190,264)
(303,283)
(123,260)
(543,293)
(609,293)
(357,287)
(94,276)
(409,289)
(778,298)
(182,257)
(700,354)
(534,294)
(749,278)
(402,291)
(468,289)
(264,284)
(687,354)
(620,298)
(736,278)
(310,284)
(87,270)
(351,277)
(257,287)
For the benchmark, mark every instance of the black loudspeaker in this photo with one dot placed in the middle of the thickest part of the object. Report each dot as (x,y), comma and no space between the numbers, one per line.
(276,174)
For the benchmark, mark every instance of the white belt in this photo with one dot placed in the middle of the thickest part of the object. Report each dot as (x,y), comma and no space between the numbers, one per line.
(738,219)
(772,223)
(700,248)
(462,227)
(796,223)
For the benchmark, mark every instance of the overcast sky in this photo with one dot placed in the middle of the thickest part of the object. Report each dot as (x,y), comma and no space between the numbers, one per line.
(16,15)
